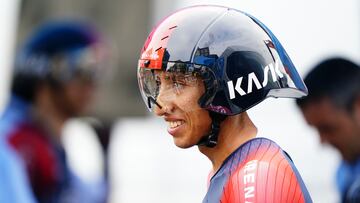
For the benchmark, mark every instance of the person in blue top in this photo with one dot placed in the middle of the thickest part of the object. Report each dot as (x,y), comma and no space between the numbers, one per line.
(333,108)
(54,79)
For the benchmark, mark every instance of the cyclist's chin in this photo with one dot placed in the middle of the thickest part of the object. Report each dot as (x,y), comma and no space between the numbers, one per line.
(184,140)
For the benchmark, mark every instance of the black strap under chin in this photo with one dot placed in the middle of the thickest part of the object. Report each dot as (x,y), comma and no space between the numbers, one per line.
(211,139)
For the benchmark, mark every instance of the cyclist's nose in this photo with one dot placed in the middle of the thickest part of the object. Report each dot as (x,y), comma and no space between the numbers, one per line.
(164,102)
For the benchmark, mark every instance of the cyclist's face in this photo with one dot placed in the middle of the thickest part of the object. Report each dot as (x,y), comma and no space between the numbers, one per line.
(179,97)
(335,126)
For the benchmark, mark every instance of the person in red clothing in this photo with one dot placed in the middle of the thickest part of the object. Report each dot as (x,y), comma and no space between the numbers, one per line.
(53,81)
(200,69)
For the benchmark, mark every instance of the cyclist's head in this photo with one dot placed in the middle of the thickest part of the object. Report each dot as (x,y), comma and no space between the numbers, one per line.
(231,57)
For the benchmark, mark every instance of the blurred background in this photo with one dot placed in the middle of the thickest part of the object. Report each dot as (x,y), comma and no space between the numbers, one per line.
(134,151)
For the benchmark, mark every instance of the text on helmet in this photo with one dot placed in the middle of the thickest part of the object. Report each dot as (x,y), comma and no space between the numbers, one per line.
(253,80)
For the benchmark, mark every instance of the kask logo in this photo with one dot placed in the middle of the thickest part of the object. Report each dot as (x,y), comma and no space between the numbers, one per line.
(253,80)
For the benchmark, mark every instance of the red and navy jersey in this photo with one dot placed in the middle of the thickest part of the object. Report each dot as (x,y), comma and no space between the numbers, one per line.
(258,171)
(44,160)
(44,157)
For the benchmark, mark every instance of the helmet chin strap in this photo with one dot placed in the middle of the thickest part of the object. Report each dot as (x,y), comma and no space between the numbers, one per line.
(211,139)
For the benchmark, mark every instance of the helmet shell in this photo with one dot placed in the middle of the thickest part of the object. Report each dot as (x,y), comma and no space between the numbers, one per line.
(245,62)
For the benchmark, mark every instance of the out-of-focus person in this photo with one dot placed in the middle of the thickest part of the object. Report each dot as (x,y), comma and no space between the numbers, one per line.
(333,108)
(54,80)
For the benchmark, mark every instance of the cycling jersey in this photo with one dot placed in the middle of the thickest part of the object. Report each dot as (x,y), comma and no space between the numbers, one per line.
(258,171)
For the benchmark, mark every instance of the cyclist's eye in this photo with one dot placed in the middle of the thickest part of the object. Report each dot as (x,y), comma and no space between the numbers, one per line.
(178,85)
